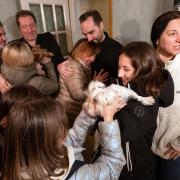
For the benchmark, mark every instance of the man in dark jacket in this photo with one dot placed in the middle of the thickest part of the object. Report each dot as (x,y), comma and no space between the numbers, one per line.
(27,26)
(105,66)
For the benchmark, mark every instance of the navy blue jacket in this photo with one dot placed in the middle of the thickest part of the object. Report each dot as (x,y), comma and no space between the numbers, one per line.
(47,41)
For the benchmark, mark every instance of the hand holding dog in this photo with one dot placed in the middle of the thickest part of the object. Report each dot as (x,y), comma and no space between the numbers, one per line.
(41,55)
(109,110)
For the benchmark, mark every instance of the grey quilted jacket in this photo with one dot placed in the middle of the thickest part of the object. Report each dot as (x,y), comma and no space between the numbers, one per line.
(109,164)
(111,161)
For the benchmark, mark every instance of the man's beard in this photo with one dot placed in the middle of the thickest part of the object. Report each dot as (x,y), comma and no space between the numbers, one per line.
(96,41)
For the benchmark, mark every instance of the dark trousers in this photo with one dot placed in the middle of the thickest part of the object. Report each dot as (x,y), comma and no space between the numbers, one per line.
(168,169)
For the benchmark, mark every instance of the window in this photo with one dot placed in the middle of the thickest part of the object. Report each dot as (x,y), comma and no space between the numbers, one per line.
(52,16)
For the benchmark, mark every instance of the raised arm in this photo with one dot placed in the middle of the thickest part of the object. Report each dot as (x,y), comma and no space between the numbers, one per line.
(111,160)
(46,85)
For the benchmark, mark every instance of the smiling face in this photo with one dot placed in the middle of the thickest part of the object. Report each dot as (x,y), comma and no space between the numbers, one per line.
(28,28)
(125,69)
(168,45)
(92,31)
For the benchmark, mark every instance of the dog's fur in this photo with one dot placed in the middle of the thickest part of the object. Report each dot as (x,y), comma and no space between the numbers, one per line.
(100,94)
(39,53)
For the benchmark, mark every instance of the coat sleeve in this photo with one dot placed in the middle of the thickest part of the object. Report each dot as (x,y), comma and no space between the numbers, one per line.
(77,134)
(74,83)
(176,143)
(46,85)
(137,120)
(168,87)
(111,161)
(54,47)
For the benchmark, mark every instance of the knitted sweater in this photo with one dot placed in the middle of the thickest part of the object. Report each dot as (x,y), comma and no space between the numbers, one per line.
(168,121)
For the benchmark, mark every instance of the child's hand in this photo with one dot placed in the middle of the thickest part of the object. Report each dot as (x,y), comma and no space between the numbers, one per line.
(89,107)
(110,109)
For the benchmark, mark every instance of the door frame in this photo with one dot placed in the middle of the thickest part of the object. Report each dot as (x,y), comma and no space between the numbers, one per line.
(110,18)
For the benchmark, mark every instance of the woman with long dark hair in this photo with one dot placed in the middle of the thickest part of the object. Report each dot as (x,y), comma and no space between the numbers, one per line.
(140,69)
(165,36)
(40,146)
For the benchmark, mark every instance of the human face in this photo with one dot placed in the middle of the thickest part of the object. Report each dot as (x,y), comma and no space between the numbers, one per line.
(88,58)
(28,28)
(2,38)
(125,69)
(92,31)
(168,44)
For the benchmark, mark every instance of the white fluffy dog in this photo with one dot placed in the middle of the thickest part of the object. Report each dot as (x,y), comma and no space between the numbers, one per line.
(100,94)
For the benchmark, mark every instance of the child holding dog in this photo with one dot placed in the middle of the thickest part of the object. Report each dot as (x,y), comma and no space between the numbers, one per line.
(40,146)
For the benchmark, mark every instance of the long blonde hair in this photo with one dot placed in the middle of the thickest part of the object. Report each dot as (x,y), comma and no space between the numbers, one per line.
(18,54)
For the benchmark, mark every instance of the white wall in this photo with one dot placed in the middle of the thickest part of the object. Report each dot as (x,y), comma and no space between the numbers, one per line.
(8,9)
(77,7)
(133,18)
(74,9)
